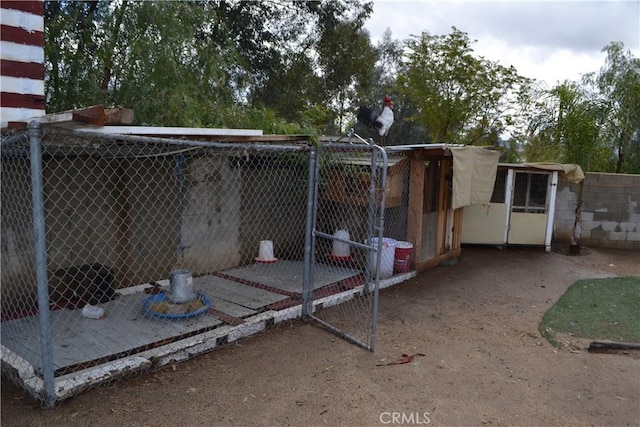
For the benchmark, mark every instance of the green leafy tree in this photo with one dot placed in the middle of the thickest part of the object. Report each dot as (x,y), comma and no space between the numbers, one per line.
(459,97)
(594,123)
(567,128)
(72,43)
(195,63)
(154,57)
(346,65)
(618,84)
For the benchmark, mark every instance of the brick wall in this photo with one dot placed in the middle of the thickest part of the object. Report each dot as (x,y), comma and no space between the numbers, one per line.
(610,211)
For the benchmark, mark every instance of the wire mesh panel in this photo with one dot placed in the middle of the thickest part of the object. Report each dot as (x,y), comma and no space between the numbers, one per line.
(154,250)
(17,261)
(145,244)
(348,226)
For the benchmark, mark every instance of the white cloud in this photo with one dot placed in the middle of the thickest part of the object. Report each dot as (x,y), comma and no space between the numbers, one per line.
(546,40)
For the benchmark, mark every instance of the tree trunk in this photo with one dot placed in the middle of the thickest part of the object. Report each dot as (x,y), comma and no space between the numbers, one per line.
(83,23)
(108,62)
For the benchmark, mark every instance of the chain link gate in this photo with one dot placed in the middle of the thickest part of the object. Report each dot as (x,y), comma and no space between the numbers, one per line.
(101,233)
(347,226)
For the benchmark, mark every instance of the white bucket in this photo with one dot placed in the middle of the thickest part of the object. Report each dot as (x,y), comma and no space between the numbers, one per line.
(340,249)
(387,258)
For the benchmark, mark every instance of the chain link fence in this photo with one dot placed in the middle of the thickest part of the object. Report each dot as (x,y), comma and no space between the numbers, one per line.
(122,253)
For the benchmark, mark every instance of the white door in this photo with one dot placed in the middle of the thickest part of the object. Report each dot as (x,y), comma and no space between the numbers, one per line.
(529,208)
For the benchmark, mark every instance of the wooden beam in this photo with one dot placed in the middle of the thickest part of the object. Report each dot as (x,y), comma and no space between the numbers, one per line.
(93,115)
(443,196)
(431,154)
(433,262)
(118,116)
(17,125)
(608,346)
(415,208)
(456,241)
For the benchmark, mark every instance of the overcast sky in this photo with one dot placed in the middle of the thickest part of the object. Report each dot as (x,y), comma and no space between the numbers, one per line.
(546,40)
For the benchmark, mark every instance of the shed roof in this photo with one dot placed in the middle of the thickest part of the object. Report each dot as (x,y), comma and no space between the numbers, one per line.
(568,171)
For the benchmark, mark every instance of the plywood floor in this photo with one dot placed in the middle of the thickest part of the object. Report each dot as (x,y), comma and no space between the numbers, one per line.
(127,329)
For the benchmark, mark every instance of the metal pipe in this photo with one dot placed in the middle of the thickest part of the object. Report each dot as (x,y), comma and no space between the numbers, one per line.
(338,239)
(314,216)
(40,248)
(335,146)
(182,142)
(181,160)
(338,332)
(383,183)
(307,276)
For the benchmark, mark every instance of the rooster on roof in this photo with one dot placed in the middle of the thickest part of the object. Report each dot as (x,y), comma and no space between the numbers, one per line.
(382,121)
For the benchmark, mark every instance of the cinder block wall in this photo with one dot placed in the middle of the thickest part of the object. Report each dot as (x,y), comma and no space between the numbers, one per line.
(610,211)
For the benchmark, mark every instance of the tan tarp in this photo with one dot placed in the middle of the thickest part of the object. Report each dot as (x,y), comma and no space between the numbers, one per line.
(474,175)
(568,172)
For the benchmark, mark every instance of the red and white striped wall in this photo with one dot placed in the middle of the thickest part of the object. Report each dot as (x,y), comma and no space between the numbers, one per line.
(21,60)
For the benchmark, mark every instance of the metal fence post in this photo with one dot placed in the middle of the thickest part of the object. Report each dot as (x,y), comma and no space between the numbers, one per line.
(40,249)
(309,244)
(378,152)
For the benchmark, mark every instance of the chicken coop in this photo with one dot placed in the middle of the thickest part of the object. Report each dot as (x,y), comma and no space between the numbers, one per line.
(427,187)
(128,248)
(522,206)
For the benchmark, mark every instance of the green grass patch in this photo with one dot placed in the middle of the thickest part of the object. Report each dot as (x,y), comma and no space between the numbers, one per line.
(601,309)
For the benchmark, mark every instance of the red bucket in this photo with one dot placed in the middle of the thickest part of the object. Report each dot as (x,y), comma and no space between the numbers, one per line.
(402,261)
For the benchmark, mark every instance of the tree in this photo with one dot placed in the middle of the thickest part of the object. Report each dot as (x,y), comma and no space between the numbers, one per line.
(567,128)
(71,46)
(194,63)
(458,97)
(346,64)
(595,123)
(153,57)
(618,83)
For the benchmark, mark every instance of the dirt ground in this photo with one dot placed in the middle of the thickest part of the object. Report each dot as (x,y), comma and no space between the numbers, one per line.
(484,363)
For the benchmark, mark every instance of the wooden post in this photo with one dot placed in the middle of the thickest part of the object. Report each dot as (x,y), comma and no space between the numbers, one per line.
(443,202)
(416,199)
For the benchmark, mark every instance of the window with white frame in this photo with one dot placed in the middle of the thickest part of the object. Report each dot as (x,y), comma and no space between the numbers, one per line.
(530,192)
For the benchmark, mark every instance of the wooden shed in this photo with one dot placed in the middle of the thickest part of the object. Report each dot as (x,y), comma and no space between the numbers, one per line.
(521,211)
(433,225)
(423,199)
(439,179)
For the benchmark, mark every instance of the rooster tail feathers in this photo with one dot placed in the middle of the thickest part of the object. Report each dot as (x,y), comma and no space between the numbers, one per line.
(367,117)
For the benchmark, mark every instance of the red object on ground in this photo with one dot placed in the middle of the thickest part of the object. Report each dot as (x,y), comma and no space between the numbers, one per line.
(402,260)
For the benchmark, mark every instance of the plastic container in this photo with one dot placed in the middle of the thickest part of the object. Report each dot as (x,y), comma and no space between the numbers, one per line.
(265,252)
(387,258)
(341,251)
(402,262)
